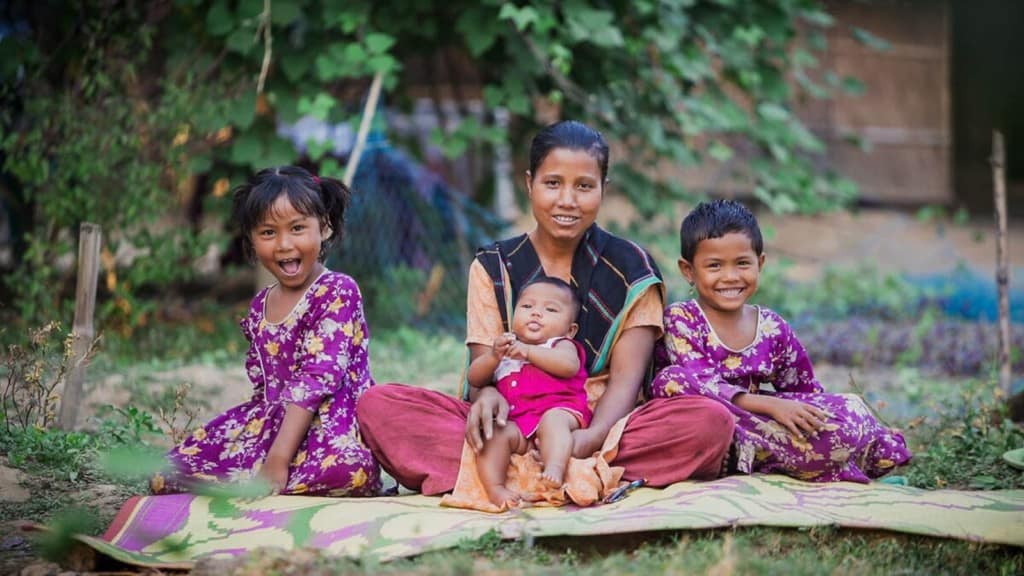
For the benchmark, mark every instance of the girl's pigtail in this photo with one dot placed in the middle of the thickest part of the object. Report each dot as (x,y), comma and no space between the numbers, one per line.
(335,196)
(240,219)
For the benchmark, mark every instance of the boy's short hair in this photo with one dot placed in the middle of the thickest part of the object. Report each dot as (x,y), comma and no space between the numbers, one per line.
(565,286)
(716,219)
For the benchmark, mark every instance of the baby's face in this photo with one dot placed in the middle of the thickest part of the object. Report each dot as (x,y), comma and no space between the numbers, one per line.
(544,311)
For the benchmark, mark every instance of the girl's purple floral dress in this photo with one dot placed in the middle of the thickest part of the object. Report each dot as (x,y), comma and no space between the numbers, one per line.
(854,446)
(317,358)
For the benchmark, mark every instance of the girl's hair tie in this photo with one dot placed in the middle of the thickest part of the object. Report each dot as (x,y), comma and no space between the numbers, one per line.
(316,179)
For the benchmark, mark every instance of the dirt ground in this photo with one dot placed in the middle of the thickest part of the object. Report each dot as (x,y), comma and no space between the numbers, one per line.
(897,241)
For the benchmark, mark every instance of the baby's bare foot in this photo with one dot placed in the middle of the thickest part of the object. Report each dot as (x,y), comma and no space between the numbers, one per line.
(499,496)
(553,474)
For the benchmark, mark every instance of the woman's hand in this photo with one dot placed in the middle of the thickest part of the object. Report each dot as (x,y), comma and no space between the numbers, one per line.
(799,418)
(585,441)
(275,473)
(489,409)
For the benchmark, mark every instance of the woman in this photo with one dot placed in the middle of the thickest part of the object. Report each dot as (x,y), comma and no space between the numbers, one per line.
(417,434)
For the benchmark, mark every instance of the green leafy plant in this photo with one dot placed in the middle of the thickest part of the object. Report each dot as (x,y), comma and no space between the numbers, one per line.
(109,116)
(128,425)
(57,543)
(961,442)
(98,130)
(50,452)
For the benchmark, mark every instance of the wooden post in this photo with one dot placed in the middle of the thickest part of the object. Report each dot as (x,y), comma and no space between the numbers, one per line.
(1002,260)
(89,240)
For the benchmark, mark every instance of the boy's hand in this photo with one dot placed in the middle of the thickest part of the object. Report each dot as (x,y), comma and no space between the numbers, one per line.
(799,418)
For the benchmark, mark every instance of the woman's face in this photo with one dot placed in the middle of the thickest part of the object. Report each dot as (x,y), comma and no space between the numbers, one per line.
(565,193)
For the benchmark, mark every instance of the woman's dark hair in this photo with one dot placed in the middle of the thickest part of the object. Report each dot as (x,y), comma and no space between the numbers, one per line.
(573,297)
(574,136)
(325,198)
(716,219)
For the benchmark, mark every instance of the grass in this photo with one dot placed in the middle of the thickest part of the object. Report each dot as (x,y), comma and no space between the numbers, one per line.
(412,357)
(752,551)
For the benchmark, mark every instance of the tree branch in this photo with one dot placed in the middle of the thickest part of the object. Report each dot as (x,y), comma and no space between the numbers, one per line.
(268,41)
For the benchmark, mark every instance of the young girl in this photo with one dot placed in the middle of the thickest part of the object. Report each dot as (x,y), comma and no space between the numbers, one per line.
(720,347)
(540,370)
(308,354)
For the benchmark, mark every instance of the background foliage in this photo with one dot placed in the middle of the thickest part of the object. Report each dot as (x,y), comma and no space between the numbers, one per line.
(139,116)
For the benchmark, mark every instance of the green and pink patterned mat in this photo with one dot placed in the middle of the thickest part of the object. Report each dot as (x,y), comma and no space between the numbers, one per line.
(174,531)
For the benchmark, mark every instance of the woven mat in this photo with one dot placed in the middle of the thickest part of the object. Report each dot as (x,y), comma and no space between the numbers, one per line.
(174,531)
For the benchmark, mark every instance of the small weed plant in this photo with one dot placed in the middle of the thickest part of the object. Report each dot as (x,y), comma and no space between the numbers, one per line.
(33,375)
(34,372)
(962,443)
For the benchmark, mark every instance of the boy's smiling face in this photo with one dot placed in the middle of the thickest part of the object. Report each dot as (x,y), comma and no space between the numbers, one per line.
(725,272)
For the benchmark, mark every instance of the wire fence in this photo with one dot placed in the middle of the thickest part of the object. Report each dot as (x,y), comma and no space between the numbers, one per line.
(409,240)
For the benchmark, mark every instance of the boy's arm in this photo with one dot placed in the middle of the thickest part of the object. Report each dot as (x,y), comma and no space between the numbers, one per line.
(561,361)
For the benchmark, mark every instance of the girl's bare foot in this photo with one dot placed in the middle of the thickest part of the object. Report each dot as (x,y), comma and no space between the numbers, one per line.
(499,496)
(554,474)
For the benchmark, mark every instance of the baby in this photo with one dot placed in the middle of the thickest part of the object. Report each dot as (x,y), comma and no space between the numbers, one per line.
(540,370)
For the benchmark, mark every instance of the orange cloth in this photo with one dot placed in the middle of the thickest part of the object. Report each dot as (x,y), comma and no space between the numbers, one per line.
(587,481)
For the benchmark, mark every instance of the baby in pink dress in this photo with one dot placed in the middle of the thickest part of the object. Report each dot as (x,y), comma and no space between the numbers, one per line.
(540,370)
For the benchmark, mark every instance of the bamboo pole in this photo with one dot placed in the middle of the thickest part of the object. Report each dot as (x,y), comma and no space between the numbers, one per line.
(364,129)
(1002,260)
(82,332)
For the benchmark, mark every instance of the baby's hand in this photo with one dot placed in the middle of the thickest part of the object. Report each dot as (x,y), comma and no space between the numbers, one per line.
(502,344)
(518,351)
